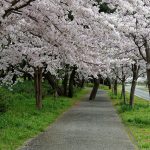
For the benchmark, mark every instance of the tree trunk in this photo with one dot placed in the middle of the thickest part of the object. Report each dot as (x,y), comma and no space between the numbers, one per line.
(112,88)
(103,81)
(82,82)
(95,89)
(135,70)
(14,78)
(109,86)
(65,83)
(53,83)
(123,95)
(38,86)
(115,87)
(148,79)
(109,83)
(133,86)
(147,50)
(71,82)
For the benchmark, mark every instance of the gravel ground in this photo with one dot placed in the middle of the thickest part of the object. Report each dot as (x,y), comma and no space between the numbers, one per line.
(90,125)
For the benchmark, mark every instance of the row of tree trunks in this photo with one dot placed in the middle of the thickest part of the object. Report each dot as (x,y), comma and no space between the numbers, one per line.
(95,88)
(66,90)
(135,70)
(38,86)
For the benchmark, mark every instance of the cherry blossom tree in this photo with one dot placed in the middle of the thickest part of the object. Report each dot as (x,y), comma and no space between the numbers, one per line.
(79,38)
(39,33)
(132,18)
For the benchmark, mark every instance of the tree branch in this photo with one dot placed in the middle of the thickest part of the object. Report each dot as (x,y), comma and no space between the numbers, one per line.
(17,8)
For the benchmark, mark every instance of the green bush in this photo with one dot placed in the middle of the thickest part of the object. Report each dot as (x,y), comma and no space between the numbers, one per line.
(46,89)
(89,84)
(5,99)
(26,88)
(104,87)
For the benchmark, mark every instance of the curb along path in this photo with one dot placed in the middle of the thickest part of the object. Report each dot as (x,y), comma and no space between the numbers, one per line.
(91,125)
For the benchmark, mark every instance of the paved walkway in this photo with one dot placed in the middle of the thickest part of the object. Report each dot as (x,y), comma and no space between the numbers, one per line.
(91,125)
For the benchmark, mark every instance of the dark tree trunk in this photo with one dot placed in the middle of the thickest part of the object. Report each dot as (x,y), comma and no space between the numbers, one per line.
(115,86)
(148,79)
(147,50)
(135,70)
(71,82)
(82,82)
(112,88)
(103,81)
(109,83)
(65,84)
(109,86)
(2,74)
(53,83)
(148,67)
(14,78)
(38,86)
(65,81)
(123,94)
(133,86)
(95,89)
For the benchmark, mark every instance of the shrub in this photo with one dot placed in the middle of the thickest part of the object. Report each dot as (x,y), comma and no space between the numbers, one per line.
(5,99)
(46,89)
(26,87)
(89,84)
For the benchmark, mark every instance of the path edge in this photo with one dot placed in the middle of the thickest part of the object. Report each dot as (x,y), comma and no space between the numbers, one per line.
(51,124)
(126,128)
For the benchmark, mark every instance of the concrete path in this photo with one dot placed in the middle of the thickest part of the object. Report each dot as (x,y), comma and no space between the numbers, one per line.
(139,92)
(91,125)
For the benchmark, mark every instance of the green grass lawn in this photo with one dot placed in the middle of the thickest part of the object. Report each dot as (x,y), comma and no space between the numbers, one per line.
(22,121)
(136,119)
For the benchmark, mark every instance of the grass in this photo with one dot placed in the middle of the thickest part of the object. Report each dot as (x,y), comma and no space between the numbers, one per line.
(22,121)
(136,119)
